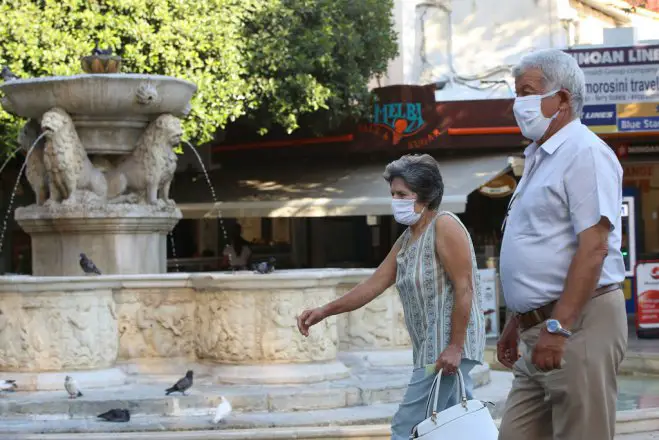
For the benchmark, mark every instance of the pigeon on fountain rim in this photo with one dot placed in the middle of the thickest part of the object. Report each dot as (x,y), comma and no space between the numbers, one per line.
(88,266)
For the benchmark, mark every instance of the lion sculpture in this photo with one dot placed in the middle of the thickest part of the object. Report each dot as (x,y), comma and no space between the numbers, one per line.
(68,167)
(35,169)
(149,170)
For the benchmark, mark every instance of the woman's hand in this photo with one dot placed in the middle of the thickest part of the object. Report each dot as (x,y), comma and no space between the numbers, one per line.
(309,318)
(449,360)
(507,350)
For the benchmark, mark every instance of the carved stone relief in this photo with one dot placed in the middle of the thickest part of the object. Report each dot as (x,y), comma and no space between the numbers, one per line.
(69,170)
(49,331)
(59,170)
(148,172)
(376,326)
(155,322)
(71,329)
(260,326)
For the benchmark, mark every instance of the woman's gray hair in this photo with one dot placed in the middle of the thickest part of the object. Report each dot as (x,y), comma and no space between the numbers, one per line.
(421,174)
(560,71)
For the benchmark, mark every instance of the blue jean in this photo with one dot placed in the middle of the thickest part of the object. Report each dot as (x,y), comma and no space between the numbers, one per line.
(412,410)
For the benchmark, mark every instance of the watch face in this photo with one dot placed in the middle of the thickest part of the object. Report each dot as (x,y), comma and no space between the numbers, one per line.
(552,326)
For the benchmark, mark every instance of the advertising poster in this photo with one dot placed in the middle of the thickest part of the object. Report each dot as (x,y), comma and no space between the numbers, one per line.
(622,88)
(490,303)
(647,295)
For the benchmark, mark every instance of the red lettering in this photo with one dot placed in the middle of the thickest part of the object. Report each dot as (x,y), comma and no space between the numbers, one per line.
(638,171)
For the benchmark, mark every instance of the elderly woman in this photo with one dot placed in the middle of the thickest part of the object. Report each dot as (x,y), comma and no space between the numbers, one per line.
(434,268)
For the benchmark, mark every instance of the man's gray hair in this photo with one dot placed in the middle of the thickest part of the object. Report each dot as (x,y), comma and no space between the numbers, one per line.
(560,71)
(421,174)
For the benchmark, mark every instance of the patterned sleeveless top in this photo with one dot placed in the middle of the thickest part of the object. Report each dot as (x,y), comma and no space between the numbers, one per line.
(427,295)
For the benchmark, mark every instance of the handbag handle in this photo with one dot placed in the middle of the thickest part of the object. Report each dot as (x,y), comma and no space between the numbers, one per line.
(461,394)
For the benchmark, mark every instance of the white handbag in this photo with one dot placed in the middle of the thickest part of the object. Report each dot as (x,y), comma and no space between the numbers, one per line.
(468,420)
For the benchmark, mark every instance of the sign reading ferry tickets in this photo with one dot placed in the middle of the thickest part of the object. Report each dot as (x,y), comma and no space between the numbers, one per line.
(647,294)
(622,88)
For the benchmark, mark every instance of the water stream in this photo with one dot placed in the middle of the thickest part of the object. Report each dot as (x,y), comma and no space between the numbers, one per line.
(213,195)
(13,193)
(9,157)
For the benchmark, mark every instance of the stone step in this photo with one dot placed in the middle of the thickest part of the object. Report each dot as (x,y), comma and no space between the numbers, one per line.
(363,423)
(362,415)
(145,396)
(150,400)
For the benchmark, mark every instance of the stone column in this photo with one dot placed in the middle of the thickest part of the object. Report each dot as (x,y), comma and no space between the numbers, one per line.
(51,327)
(122,239)
(246,325)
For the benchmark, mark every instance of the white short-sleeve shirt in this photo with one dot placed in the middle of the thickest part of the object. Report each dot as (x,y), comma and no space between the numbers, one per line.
(569,183)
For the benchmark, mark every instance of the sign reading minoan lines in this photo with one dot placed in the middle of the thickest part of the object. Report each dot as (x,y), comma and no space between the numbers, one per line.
(622,88)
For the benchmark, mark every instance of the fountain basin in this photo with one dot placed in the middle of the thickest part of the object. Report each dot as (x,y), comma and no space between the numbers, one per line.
(239,328)
(121,238)
(47,327)
(109,111)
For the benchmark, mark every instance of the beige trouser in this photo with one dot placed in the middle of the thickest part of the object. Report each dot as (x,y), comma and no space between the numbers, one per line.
(577,402)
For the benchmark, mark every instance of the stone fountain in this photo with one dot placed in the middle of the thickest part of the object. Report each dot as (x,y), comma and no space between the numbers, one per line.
(102,175)
(101,178)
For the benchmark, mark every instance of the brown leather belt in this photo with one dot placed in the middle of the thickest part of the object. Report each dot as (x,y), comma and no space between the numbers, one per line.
(534,317)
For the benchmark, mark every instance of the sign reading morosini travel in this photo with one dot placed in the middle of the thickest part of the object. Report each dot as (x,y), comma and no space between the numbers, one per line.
(622,88)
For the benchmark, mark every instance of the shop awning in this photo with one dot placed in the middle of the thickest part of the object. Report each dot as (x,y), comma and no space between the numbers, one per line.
(307,189)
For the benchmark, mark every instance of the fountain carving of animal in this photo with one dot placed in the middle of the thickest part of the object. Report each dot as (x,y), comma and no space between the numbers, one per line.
(149,170)
(35,169)
(68,167)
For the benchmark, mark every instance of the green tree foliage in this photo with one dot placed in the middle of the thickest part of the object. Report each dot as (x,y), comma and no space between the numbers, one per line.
(274,59)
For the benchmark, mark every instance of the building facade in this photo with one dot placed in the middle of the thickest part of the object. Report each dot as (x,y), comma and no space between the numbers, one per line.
(468,46)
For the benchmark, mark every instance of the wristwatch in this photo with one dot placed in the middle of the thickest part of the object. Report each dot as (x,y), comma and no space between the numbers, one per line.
(555,328)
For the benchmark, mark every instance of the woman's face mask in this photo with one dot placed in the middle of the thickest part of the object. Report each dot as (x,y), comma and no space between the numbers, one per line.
(528,113)
(404,213)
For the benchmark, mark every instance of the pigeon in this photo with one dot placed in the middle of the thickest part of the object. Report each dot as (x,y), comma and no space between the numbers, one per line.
(182,385)
(98,51)
(115,415)
(71,387)
(8,75)
(265,266)
(88,265)
(8,385)
(223,410)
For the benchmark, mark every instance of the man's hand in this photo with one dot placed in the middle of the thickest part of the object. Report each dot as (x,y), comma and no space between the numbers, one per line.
(507,349)
(449,360)
(309,318)
(548,351)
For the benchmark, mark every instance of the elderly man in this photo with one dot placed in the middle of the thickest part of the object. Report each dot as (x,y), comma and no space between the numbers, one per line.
(561,265)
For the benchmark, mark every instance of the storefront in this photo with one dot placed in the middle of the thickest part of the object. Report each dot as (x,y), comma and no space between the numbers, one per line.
(324,203)
(622,106)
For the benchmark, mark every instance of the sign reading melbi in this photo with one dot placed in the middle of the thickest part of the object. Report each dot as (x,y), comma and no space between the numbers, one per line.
(404,117)
(622,88)
(647,295)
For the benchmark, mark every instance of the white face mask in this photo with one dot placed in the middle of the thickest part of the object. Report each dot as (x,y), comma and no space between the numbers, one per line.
(404,211)
(528,113)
